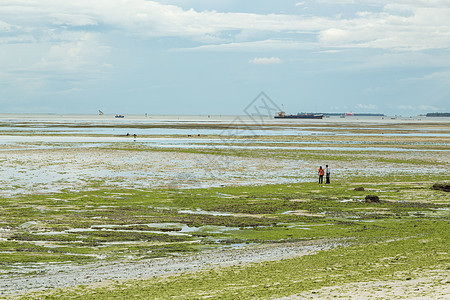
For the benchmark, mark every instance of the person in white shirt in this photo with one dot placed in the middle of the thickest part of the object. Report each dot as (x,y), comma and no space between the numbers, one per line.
(327,174)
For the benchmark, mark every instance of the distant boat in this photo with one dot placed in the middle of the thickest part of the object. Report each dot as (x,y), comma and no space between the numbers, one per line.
(282,115)
(119,116)
(350,114)
(100,112)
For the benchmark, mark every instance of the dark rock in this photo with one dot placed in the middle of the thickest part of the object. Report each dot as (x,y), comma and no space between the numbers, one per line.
(359,189)
(441,187)
(372,199)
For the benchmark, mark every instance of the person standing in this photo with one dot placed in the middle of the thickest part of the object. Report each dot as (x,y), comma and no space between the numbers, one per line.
(321,172)
(327,174)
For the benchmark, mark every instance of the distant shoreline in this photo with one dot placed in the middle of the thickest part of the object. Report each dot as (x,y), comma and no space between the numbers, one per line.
(147,115)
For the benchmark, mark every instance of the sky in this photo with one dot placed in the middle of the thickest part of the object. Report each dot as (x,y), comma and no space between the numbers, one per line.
(214,57)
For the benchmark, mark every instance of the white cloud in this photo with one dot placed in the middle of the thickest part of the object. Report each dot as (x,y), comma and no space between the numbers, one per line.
(426,27)
(333,36)
(146,18)
(265,60)
(406,107)
(329,51)
(73,56)
(439,76)
(409,3)
(64,25)
(4,26)
(366,106)
(255,46)
(429,107)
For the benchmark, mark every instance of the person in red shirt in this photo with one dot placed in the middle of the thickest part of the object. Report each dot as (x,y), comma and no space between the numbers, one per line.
(321,172)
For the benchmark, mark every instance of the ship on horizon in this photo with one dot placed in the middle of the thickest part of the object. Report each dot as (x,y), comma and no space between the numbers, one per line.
(282,115)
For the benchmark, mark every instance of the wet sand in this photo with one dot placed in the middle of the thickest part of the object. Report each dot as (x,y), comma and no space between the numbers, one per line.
(431,284)
(42,154)
(57,276)
(42,161)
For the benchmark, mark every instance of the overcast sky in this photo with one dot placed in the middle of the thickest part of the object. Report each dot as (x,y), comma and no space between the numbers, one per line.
(216,56)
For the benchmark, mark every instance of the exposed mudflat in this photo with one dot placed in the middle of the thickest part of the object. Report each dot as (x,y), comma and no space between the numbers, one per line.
(433,284)
(79,192)
(49,276)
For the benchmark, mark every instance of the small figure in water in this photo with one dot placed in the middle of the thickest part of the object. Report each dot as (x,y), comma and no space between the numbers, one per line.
(134,135)
(327,174)
(321,171)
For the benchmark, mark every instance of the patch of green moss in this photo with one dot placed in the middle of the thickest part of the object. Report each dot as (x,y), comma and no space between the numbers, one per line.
(380,259)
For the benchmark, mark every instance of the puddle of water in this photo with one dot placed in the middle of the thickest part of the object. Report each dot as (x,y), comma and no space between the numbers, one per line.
(204,212)
(305,227)
(46,244)
(28,224)
(120,243)
(351,200)
(437,212)
(236,245)
(225,195)
(51,233)
(178,229)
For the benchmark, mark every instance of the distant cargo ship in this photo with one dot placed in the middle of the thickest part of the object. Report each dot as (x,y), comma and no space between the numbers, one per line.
(282,115)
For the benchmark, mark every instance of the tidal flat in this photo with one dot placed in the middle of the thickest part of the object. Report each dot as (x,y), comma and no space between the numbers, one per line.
(212,208)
